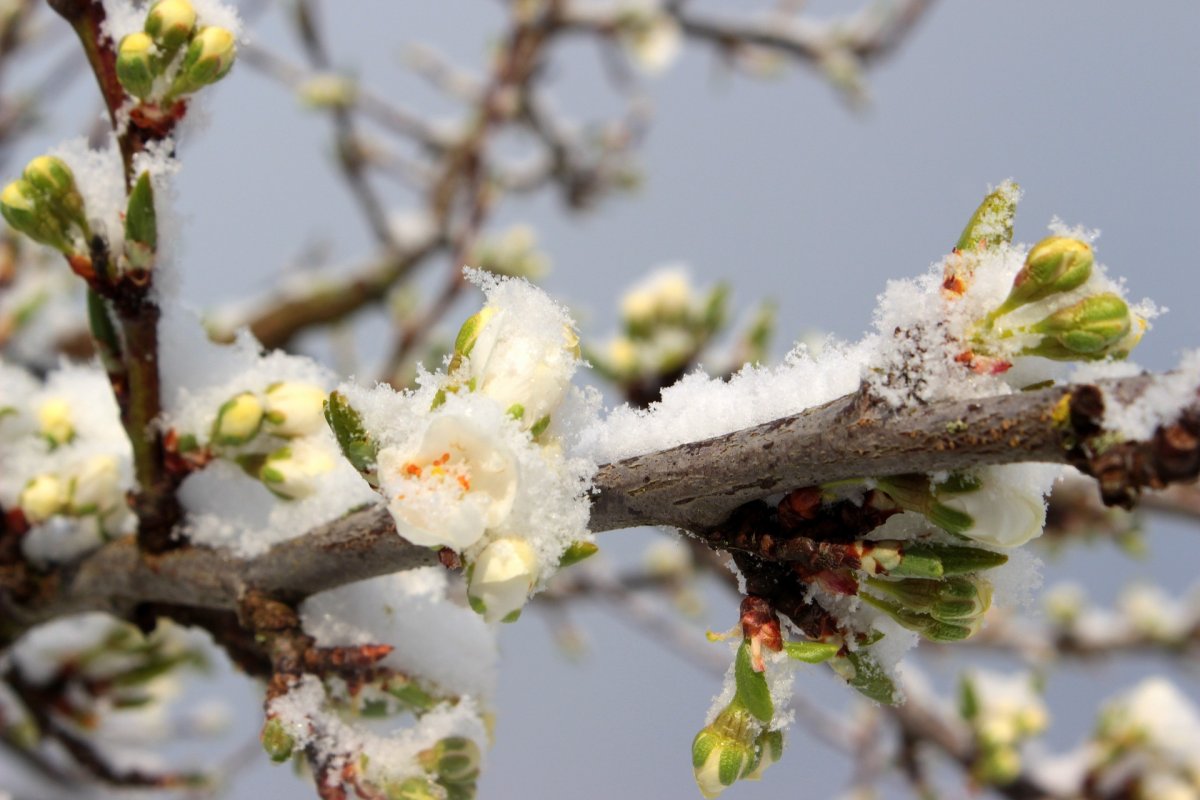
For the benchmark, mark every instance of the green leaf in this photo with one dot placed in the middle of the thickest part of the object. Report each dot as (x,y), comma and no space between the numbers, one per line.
(141,224)
(576,552)
(751,686)
(811,652)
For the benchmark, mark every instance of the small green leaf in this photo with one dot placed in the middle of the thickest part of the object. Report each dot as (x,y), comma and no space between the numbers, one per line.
(811,652)
(751,687)
(576,552)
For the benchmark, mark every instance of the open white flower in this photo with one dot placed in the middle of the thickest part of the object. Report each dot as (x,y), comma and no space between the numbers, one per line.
(54,421)
(525,370)
(447,490)
(1002,514)
(500,579)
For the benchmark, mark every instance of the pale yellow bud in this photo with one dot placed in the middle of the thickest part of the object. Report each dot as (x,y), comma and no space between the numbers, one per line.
(54,421)
(43,497)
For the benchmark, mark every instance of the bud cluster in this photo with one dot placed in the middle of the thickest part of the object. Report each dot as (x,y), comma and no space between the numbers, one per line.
(1003,711)
(277,436)
(45,205)
(665,324)
(173,56)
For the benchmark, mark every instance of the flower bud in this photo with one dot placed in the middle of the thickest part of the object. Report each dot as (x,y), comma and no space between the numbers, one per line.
(277,741)
(1087,330)
(170,24)
(414,789)
(954,559)
(238,420)
(723,752)
(651,40)
(1054,265)
(998,766)
(54,421)
(293,472)
(27,212)
(769,748)
(455,760)
(950,600)
(209,58)
(135,64)
(294,409)
(53,180)
(997,513)
(500,579)
(97,487)
(43,497)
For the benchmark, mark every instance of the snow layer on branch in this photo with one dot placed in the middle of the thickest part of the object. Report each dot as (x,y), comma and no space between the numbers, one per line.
(123,17)
(919,352)
(444,645)
(1160,404)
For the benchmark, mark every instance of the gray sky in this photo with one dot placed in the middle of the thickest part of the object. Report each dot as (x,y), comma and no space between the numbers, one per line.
(1093,106)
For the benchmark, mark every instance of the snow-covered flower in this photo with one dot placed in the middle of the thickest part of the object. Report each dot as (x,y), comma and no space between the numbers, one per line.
(501,578)
(294,472)
(523,363)
(295,409)
(457,482)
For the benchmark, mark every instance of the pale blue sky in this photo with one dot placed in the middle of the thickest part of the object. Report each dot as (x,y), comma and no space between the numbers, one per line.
(1093,106)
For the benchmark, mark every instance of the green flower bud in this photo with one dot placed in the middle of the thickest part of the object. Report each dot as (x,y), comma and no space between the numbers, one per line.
(992,222)
(455,760)
(1091,329)
(724,751)
(209,58)
(1054,265)
(170,24)
(43,209)
(414,789)
(769,749)
(950,600)
(998,766)
(238,420)
(136,64)
(576,552)
(914,493)
(277,741)
(141,225)
(953,559)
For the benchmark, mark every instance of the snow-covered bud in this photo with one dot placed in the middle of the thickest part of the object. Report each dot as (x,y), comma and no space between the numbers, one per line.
(1054,265)
(170,24)
(141,225)
(525,371)
(54,421)
(1090,329)
(43,497)
(277,741)
(294,409)
(238,420)
(97,486)
(455,760)
(994,512)
(652,40)
(136,64)
(992,223)
(294,472)
(499,581)
(209,58)
(724,751)
(769,749)
(457,482)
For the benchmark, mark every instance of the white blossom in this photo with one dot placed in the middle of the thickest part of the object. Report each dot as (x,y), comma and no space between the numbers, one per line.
(295,409)
(455,483)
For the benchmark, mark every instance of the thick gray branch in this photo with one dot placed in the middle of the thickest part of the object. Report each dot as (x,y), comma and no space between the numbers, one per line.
(693,486)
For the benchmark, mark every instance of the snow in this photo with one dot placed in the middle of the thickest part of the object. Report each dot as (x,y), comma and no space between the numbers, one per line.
(1159,405)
